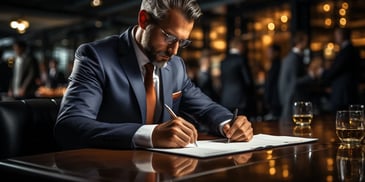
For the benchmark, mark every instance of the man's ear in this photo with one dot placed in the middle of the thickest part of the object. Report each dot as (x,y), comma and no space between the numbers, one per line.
(143,19)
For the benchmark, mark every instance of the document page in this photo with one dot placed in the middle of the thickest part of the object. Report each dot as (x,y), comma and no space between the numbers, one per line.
(210,148)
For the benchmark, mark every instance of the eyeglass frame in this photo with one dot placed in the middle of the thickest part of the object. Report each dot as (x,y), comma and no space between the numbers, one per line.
(169,38)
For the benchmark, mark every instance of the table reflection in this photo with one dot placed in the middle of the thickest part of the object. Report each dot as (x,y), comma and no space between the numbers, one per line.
(173,165)
(139,165)
(302,130)
(322,160)
(350,162)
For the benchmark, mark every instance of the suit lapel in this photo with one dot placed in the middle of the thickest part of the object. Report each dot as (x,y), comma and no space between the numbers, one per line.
(130,65)
(166,89)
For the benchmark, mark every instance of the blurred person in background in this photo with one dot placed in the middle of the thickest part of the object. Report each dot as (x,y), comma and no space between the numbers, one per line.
(271,95)
(54,81)
(56,77)
(204,79)
(5,74)
(295,80)
(344,73)
(25,72)
(238,87)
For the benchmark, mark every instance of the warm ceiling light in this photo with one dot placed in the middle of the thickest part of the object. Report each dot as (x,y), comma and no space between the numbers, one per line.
(342,12)
(14,24)
(284,18)
(271,26)
(330,45)
(326,7)
(20,25)
(328,22)
(343,21)
(96,3)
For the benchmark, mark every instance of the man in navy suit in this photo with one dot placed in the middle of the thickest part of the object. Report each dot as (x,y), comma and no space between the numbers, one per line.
(105,102)
(294,78)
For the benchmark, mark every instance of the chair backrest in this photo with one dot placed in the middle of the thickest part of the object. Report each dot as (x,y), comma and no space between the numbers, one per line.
(26,127)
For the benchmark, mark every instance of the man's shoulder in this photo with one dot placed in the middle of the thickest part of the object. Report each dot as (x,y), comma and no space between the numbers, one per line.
(111,40)
(107,41)
(108,45)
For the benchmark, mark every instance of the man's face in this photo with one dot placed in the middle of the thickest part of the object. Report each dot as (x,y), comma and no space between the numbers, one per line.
(154,40)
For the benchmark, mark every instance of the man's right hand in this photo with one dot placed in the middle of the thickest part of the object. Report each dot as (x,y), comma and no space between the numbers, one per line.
(174,134)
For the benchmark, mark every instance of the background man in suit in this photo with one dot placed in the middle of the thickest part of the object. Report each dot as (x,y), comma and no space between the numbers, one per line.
(271,92)
(25,72)
(5,74)
(105,102)
(344,73)
(238,87)
(294,77)
(55,77)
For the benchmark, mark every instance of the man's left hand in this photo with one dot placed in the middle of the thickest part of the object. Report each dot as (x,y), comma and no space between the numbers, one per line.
(241,130)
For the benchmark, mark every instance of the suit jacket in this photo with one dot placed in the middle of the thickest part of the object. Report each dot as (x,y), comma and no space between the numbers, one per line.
(343,75)
(105,102)
(238,88)
(271,92)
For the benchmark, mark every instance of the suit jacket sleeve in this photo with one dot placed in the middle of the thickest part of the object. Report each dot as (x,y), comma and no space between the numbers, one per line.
(88,117)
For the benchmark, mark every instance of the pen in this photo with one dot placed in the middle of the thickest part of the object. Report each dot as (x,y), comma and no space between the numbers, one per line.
(174,116)
(232,121)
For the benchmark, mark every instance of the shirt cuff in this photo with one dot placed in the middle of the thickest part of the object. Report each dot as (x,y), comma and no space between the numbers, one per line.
(143,136)
(221,126)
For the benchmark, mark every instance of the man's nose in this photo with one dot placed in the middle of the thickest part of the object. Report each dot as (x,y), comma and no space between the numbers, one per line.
(174,48)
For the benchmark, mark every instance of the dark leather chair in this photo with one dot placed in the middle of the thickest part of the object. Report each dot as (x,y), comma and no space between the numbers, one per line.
(26,127)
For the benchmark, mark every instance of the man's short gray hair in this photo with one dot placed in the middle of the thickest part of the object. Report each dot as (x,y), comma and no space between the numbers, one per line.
(159,8)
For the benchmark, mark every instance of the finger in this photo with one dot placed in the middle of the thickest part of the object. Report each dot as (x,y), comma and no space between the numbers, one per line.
(189,130)
(186,167)
(236,125)
(178,170)
(226,128)
(181,132)
(169,134)
(239,137)
(249,132)
(181,138)
(242,130)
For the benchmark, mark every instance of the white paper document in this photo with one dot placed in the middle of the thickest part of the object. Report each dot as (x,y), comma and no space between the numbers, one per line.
(210,148)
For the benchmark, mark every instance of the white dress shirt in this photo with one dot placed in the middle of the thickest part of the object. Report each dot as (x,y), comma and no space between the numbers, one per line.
(143,136)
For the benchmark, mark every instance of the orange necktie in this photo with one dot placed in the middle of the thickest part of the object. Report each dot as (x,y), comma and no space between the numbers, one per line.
(150,92)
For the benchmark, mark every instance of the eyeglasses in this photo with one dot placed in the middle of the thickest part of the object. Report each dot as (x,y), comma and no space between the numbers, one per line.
(171,39)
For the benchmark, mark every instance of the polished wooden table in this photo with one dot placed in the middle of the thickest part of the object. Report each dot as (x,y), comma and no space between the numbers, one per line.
(323,160)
